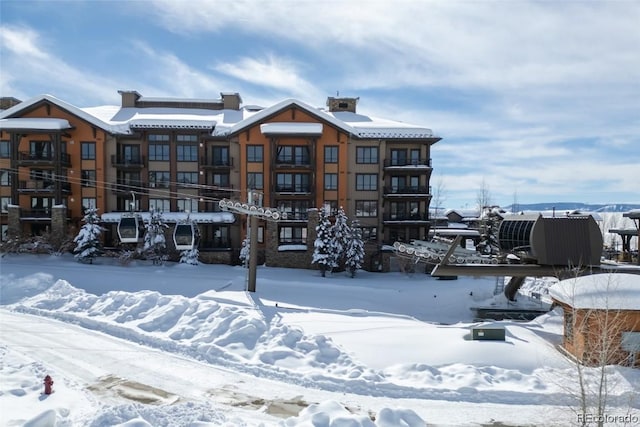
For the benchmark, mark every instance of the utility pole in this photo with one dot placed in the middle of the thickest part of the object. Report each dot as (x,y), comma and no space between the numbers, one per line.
(253,212)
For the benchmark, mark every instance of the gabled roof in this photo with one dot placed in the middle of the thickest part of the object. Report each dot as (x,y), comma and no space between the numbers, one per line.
(62,104)
(287,103)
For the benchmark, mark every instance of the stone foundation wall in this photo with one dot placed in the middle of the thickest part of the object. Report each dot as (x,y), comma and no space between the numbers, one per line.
(217,257)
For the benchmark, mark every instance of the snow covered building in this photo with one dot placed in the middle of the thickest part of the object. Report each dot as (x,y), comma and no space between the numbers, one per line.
(601,318)
(179,155)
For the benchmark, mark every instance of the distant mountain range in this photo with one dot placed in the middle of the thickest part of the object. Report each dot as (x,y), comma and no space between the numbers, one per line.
(571,206)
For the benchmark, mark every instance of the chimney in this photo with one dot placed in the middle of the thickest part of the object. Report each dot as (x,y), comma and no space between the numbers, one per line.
(129,98)
(7,102)
(342,104)
(231,100)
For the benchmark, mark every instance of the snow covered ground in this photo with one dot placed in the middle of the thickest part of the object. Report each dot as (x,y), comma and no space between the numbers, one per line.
(184,345)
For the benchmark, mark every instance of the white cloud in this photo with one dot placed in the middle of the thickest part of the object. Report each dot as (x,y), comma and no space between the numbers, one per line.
(271,72)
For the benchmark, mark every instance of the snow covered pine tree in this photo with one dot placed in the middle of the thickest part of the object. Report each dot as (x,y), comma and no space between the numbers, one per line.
(355,248)
(155,244)
(88,244)
(339,238)
(322,244)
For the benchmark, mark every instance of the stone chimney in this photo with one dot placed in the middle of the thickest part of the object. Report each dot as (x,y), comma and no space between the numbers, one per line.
(231,100)
(342,104)
(129,98)
(7,102)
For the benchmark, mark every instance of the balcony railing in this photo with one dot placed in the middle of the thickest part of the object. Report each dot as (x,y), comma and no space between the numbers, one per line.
(121,161)
(36,213)
(42,186)
(293,188)
(294,216)
(37,158)
(406,217)
(216,191)
(407,190)
(216,162)
(293,162)
(407,162)
(127,186)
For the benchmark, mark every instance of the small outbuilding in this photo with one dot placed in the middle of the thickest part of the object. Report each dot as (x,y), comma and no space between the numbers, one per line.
(601,318)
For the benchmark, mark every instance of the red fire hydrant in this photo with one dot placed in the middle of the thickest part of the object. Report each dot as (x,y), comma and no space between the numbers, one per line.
(48,383)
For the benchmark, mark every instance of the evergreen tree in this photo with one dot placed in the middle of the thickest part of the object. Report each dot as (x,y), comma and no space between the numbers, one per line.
(88,244)
(190,256)
(491,218)
(339,239)
(155,243)
(322,244)
(355,249)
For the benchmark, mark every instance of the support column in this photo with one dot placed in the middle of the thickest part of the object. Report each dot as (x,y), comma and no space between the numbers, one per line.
(253,252)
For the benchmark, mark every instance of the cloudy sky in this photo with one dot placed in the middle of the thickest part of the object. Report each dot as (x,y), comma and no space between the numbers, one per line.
(540,100)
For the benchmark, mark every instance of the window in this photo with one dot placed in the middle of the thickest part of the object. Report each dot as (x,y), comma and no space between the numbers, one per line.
(367,155)
(331,206)
(5,149)
(292,182)
(367,208)
(187,178)
(187,138)
(4,204)
(159,179)
(255,153)
(221,156)
(415,156)
(369,233)
(330,181)
(159,152)
(366,182)
(220,237)
(331,154)
(293,155)
(255,181)
(187,205)
(88,202)
(88,150)
(295,209)
(293,235)
(187,152)
(158,138)
(5,178)
(221,180)
(160,205)
(88,178)
(40,150)
(399,157)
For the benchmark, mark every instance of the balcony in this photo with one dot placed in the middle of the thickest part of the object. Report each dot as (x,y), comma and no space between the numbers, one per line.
(128,162)
(292,162)
(407,191)
(294,216)
(405,217)
(219,163)
(127,186)
(29,158)
(408,163)
(36,213)
(42,186)
(293,189)
(216,192)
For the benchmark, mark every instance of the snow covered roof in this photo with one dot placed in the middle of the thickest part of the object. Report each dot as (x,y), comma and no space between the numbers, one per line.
(62,104)
(291,128)
(174,217)
(120,120)
(613,291)
(35,124)
(263,114)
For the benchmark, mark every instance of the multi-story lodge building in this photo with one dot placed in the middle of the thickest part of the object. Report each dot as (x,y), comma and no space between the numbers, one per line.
(184,155)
